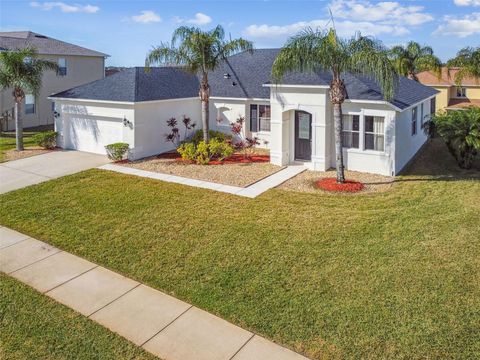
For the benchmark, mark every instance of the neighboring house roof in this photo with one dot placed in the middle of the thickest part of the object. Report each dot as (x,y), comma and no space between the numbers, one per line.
(136,85)
(447,78)
(43,44)
(463,103)
(249,73)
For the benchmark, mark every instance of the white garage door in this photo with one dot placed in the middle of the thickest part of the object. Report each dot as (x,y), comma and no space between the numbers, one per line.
(91,134)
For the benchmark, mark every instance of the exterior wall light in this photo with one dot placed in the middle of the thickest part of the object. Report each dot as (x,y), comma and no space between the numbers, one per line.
(126,122)
(226,76)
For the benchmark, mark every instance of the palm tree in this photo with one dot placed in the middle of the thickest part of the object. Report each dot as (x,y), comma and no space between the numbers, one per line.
(413,58)
(468,62)
(21,71)
(199,52)
(316,50)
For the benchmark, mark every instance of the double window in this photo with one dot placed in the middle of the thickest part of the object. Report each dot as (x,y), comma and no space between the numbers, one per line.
(259,118)
(62,67)
(461,92)
(373,132)
(433,105)
(29,104)
(414,120)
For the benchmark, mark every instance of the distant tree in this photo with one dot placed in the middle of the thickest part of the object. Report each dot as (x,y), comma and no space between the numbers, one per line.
(461,132)
(468,62)
(317,50)
(413,58)
(199,52)
(21,71)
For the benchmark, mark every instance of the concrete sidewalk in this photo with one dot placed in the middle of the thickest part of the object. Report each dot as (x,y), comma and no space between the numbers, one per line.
(36,169)
(161,324)
(251,191)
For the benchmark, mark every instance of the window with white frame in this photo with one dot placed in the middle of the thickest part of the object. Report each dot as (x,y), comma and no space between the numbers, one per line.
(414,120)
(433,105)
(259,118)
(351,131)
(62,66)
(29,104)
(375,133)
(461,92)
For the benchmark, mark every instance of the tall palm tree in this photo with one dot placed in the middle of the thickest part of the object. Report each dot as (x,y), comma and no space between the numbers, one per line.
(468,62)
(21,71)
(199,52)
(316,50)
(413,58)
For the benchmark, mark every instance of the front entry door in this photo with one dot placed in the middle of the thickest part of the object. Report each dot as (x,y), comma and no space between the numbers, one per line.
(303,135)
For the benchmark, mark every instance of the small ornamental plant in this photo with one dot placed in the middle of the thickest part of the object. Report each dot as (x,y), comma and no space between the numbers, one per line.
(243,143)
(174,135)
(117,151)
(331,184)
(46,139)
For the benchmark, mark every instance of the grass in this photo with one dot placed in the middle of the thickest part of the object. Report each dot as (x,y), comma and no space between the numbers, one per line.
(387,275)
(7,139)
(36,327)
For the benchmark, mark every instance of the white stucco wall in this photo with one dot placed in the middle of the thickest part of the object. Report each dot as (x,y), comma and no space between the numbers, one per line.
(229,110)
(284,101)
(151,124)
(82,124)
(406,144)
(370,161)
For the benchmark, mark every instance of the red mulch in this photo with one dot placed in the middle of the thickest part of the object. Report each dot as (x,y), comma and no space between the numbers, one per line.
(330,184)
(234,159)
(241,159)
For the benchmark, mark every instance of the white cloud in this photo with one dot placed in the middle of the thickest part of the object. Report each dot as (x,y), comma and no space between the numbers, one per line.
(461,27)
(147,16)
(344,28)
(66,8)
(198,19)
(467,2)
(387,12)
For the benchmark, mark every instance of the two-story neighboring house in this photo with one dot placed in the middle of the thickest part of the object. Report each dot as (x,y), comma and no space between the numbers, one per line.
(452,96)
(78,66)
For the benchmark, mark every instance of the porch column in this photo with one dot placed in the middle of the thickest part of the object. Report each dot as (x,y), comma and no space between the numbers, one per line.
(279,141)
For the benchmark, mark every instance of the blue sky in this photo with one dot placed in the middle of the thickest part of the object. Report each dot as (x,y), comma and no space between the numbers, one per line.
(126,30)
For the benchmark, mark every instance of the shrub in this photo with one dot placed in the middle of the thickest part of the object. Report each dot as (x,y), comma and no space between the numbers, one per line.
(46,139)
(202,152)
(220,149)
(461,132)
(187,151)
(212,134)
(117,151)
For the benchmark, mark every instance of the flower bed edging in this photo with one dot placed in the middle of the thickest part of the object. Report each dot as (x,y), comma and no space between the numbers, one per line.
(330,184)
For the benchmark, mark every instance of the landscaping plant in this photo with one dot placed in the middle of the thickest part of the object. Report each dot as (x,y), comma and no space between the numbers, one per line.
(46,139)
(212,134)
(22,71)
(174,135)
(203,152)
(198,52)
(461,132)
(242,142)
(117,151)
(413,58)
(468,63)
(317,50)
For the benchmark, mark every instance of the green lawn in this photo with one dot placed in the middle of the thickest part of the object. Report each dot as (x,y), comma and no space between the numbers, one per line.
(7,139)
(35,327)
(388,275)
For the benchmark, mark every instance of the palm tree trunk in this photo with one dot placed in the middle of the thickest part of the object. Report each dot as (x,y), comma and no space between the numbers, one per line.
(18,126)
(205,98)
(337,118)
(337,97)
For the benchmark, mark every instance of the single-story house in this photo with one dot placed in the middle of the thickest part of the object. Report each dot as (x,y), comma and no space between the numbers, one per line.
(293,119)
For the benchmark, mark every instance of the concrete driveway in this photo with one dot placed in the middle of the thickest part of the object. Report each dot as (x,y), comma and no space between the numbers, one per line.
(36,169)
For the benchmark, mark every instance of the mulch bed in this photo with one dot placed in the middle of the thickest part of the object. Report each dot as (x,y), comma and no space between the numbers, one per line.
(331,184)
(234,159)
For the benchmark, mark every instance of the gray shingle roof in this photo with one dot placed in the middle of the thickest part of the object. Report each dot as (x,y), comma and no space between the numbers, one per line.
(136,85)
(249,71)
(45,45)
